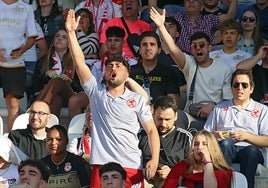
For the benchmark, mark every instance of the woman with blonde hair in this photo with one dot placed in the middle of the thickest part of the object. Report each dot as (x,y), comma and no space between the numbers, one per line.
(204,167)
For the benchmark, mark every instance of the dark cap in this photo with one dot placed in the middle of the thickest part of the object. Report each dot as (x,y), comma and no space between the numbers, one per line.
(118,58)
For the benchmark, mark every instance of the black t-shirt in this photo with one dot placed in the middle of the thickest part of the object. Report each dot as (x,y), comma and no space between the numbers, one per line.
(260,76)
(160,81)
(162,3)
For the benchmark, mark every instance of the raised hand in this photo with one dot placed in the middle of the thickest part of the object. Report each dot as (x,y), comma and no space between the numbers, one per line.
(71,22)
(158,19)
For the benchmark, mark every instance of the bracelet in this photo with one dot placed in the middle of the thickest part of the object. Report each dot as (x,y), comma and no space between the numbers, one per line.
(207,162)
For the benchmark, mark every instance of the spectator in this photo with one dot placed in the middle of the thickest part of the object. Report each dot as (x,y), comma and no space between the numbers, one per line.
(250,40)
(244,121)
(10,158)
(174,29)
(33,173)
(127,112)
(156,79)
(88,39)
(63,163)
(174,142)
(54,79)
(205,166)
(230,54)
(81,146)
(112,174)
(102,11)
(260,74)
(261,8)
(17,35)
(130,9)
(212,78)
(48,16)
(32,139)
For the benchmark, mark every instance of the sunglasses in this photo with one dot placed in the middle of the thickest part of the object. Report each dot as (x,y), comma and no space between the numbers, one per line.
(245,18)
(237,84)
(200,45)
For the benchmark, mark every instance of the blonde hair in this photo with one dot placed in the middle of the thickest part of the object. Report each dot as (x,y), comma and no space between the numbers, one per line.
(219,163)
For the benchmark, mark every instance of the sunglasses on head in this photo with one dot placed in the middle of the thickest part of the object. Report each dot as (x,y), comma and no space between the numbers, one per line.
(237,84)
(200,45)
(245,18)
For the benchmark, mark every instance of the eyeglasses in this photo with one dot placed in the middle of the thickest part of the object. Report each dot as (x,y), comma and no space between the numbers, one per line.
(39,113)
(200,45)
(237,84)
(245,18)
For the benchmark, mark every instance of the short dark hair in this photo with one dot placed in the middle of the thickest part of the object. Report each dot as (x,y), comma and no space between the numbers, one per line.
(118,58)
(115,31)
(113,166)
(165,102)
(61,129)
(200,35)
(150,34)
(173,21)
(44,170)
(243,72)
(231,24)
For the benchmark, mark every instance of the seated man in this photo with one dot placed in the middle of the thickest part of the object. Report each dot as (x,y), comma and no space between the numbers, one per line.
(112,174)
(174,142)
(240,125)
(33,173)
(32,140)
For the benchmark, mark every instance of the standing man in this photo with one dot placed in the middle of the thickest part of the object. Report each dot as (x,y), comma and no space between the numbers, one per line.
(157,79)
(211,79)
(175,142)
(117,114)
(18,33)
(130,12)
(32,140)
(240,125)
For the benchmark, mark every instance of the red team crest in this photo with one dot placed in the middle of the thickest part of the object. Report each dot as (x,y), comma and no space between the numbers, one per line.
(131,103)
(255,113)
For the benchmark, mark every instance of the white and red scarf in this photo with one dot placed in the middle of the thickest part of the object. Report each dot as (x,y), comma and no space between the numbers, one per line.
(101,14)
(57,63)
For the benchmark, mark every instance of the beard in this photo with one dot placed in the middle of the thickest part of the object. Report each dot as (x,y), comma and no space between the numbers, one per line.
(114,83)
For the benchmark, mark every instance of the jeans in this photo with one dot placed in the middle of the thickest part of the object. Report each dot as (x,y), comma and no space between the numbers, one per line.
(247,156)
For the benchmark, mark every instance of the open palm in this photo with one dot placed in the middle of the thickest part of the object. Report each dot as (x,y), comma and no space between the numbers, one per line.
(71,22)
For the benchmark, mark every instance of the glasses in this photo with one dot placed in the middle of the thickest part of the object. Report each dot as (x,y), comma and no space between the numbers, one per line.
(200,45)
(39,113)
(237,84)
(245,18)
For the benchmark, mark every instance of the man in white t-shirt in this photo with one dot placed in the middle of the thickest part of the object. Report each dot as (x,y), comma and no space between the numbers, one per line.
(117,114)
(230,54)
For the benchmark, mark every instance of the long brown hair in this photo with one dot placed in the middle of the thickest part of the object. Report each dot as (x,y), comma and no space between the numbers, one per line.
(67,61)
(216,155)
